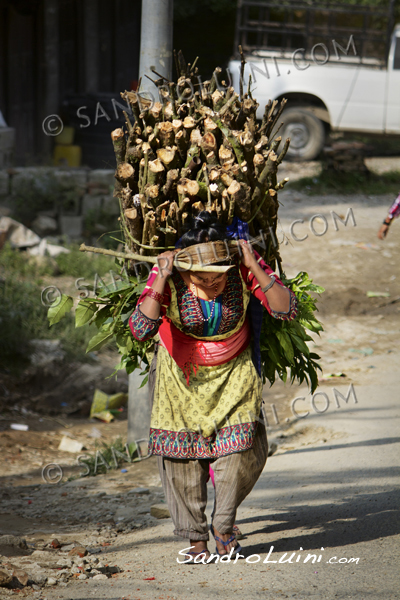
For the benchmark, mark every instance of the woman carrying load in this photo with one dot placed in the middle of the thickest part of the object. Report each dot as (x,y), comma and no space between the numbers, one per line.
(207,391)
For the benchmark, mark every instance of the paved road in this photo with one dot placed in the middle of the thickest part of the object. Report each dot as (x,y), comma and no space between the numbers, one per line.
(340,495)
(334,481)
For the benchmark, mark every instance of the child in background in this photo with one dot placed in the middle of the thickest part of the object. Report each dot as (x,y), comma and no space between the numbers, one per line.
(394,212)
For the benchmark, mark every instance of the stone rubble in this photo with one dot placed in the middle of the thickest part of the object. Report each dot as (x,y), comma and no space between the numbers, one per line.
(58,560)
(40,569)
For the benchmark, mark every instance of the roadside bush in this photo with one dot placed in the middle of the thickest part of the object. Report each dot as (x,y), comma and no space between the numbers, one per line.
(84,264)
(23,317)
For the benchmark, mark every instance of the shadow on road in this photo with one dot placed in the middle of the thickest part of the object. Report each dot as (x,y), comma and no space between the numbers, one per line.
(364,517)
(375,442)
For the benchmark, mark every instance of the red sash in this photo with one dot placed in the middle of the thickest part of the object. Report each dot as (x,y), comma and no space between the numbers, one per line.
(188,351)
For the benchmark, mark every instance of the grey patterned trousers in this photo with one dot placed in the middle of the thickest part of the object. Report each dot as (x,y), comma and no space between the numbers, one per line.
(185,483)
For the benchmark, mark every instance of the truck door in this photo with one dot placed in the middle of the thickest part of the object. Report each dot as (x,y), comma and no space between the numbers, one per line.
(364,107)
(393,88)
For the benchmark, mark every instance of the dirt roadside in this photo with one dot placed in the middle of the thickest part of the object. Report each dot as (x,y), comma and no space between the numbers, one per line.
(110,514)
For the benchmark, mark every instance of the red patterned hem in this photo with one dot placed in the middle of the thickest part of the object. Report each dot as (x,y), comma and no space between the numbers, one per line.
(291,314)
(192,445)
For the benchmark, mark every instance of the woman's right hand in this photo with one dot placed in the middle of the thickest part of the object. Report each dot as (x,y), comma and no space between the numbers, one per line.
(166,263)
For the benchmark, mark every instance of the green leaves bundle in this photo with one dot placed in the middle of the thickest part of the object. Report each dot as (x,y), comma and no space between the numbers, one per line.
(283,343)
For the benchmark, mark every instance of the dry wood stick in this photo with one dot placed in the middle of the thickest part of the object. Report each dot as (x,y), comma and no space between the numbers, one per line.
(281,184)
(127,121)
(214,79)
(272,124)
(125,174)
(230,102)
(275,144)
(232,140)
(209,201)
(172,177)
(283,153)
(119,143)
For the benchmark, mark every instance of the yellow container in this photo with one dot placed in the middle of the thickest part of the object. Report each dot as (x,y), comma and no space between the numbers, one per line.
(66,137)
(67,156)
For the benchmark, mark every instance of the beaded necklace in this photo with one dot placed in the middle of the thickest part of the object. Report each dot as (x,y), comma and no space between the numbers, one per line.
(202,317)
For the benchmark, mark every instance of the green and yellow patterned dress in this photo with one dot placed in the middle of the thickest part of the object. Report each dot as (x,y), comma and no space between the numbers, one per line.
(212,411)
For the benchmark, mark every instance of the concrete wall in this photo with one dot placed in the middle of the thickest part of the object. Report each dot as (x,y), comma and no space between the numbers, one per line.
(74,193)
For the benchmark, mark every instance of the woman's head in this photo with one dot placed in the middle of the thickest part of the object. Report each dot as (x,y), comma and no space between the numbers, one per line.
(203,228)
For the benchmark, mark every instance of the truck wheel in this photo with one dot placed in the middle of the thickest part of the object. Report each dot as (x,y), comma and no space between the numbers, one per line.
(306,133)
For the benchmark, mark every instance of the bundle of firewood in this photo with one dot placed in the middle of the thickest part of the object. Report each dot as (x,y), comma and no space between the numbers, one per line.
(198,148)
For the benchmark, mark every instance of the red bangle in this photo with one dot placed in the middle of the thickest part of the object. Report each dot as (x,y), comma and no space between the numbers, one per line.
(155,295)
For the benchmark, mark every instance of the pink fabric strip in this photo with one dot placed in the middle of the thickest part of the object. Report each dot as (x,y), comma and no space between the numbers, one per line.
(216,353)
(211,473)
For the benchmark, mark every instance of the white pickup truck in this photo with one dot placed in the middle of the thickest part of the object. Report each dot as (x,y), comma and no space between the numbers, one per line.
(326,91)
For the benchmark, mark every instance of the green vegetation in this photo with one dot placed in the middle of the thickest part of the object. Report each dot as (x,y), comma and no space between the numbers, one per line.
(76,264)
(283,343)
(109,311)
(83,264)
(23,318)
(22,312)
(332,182)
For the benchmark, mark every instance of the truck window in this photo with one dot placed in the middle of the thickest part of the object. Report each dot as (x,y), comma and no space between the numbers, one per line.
(396,61)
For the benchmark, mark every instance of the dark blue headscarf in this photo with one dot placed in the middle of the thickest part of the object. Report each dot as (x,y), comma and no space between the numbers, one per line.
(240,230)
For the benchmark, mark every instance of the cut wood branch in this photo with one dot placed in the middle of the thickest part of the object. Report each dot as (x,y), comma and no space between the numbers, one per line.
(166,134)
(156,172)
(169,157)
(125,174)
(119,143)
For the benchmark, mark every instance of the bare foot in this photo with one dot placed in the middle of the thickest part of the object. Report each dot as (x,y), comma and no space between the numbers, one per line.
(225,537)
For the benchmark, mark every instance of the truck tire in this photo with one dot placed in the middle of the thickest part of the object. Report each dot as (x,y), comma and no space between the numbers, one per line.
(306,133)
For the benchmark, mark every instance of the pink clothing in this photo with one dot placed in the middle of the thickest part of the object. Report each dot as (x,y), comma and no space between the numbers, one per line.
(188,352)
(394,210)
(211,472)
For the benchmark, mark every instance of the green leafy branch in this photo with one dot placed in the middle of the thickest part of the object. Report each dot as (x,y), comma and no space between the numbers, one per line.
(283,343)
(109,311)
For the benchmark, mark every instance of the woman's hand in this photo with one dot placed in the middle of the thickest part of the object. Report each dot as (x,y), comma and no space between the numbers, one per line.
(382,233)
(151,307)
(248,258)
(277,295)
(166,263)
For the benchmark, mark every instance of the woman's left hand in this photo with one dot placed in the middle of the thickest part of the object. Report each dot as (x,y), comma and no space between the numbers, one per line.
(248,258)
